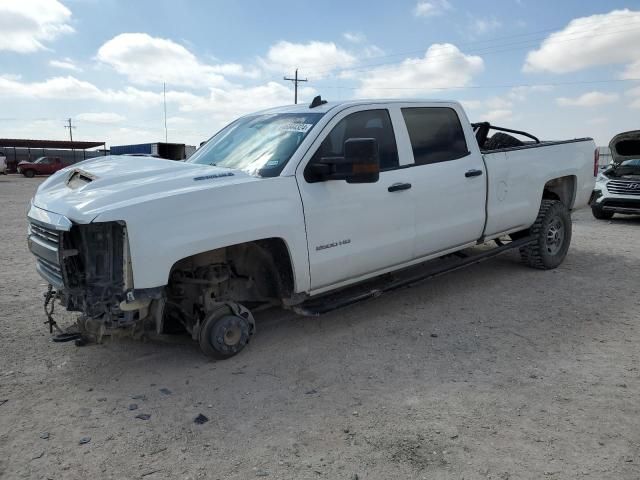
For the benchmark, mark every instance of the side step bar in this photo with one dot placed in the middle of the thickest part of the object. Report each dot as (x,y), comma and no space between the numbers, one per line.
(330,302)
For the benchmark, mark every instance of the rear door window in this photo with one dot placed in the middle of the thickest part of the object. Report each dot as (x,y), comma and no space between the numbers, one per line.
(436,134)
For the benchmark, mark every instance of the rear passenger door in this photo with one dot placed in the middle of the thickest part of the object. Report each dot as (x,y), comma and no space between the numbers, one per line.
(448,178)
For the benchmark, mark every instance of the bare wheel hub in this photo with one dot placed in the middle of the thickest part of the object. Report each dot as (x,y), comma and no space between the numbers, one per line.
(232,335)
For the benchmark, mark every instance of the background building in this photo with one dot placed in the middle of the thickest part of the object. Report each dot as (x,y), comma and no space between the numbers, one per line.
(17,150)
(171,151)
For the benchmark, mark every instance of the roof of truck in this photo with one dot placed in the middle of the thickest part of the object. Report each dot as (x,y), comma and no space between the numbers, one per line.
(325,107)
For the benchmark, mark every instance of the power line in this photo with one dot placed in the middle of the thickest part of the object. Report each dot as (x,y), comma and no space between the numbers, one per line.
(295,81)
(593,22)
(463,87)
(70,127)
(488,50)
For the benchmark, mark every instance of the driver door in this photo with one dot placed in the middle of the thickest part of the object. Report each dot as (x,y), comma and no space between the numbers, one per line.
(357,230)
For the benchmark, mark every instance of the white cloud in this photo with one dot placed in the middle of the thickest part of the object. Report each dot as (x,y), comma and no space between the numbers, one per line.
(500,107)
(314,57)
(585,42)
(223,103)
(65,64)
(371,51)
(177,121)
(25,25)
(598,121)
(482,26)
(634,93)
(497,115)
(71,88)
(241,100)
(354,37)
(632,72)
(100,117)
(493,108)
(442,66)
(52,88)
(521,93)
(431,8)
(149,60)
(590,99)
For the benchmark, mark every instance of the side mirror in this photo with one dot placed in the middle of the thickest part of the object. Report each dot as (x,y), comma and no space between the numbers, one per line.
(361,154)
(360,164)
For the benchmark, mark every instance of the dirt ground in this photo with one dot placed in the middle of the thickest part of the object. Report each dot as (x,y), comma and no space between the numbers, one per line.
(497,371)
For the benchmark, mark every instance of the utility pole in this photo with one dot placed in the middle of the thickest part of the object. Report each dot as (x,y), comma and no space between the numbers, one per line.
(164,96)
(295,81)
(70,127)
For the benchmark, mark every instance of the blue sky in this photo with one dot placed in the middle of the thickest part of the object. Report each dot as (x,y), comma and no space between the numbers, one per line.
(559,69)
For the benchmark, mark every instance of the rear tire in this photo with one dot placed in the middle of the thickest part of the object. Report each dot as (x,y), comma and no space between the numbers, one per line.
(29,173)
(601,214)
(552,230)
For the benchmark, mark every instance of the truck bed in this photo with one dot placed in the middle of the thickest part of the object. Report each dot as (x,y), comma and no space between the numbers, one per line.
(516,177)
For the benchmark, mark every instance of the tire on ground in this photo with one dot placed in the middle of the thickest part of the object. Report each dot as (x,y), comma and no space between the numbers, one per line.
(552,231)
(501,140)
(601,214)
(29,173)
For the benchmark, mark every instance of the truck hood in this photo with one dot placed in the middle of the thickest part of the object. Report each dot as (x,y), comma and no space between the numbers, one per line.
(625,146)
(86,189)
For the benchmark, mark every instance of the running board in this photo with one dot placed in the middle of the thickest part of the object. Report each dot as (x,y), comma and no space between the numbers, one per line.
(329,302)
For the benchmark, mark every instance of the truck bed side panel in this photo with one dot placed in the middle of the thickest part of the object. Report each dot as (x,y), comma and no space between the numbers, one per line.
(516,180)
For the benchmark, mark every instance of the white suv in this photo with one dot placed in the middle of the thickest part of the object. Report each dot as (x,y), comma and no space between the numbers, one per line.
(617,187)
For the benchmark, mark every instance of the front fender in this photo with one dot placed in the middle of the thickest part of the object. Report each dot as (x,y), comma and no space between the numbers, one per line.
(167,229)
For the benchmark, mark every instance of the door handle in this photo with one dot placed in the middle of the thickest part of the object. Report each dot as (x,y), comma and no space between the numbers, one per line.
(473,173)
(397,187)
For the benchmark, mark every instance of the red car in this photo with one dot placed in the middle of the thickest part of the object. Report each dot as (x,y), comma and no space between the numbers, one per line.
(41,166)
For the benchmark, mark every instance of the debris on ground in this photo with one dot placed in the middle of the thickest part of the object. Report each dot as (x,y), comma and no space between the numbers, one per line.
(200,419)
(44,435)
(165,391)
(133,406)
(84,440)
(138,397)
(143,416)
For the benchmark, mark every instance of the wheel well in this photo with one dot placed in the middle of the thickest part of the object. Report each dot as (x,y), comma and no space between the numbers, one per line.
(266,261)
(562,189)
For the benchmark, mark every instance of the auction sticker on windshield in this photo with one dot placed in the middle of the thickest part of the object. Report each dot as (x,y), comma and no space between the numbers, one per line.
(295,127)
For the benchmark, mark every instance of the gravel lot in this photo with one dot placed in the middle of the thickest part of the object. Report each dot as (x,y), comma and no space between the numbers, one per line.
(497,371)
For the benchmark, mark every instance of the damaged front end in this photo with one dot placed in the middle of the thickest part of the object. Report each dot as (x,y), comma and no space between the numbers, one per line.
(88,268)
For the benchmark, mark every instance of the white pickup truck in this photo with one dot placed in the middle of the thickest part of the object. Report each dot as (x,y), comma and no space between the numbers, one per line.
(291,205)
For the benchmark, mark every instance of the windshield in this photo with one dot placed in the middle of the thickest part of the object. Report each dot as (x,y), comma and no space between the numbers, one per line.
(40,160)
(628,167)
(260,145)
